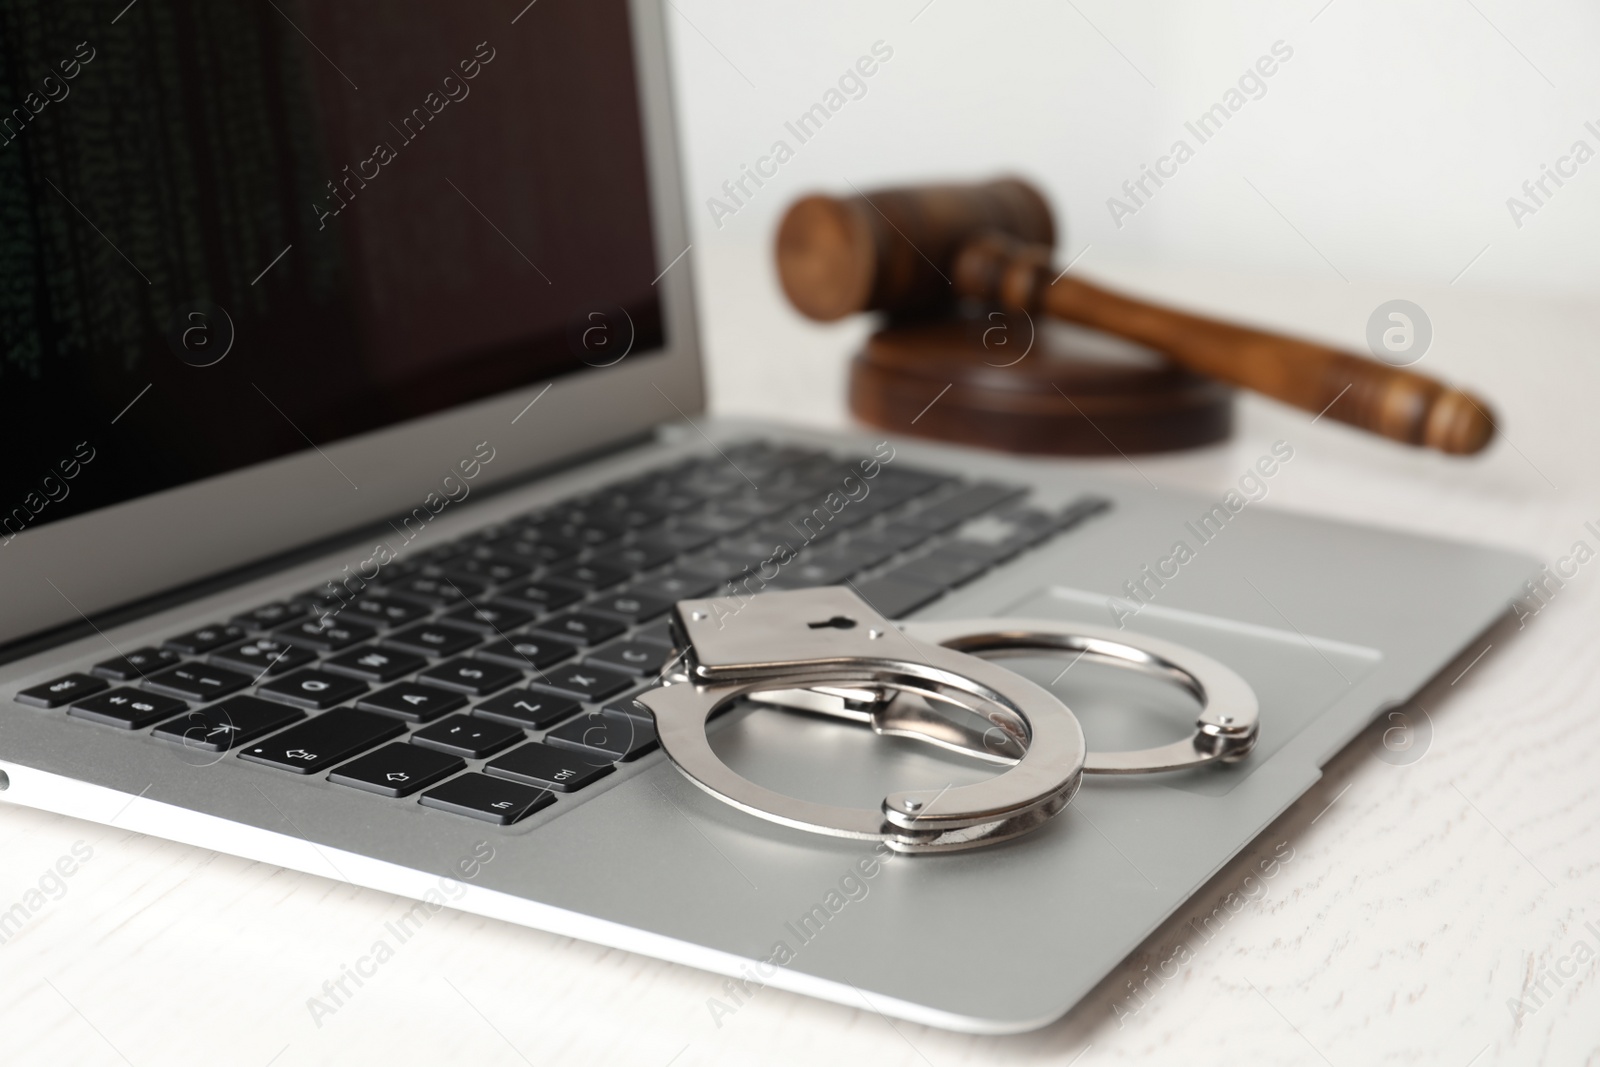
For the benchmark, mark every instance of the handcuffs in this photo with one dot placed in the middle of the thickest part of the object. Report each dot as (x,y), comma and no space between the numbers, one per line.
(826,651)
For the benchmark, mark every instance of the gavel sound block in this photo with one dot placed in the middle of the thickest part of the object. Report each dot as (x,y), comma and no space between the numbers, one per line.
(915,250)
(1030,385)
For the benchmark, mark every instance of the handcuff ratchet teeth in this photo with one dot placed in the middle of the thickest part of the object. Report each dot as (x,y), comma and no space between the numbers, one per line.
(826,651)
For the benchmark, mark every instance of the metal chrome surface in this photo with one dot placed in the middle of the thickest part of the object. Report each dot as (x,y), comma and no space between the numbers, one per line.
(832,639)
(1225,730)
(1229,719)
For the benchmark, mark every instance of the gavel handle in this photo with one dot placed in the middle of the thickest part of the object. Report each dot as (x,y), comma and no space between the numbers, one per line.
(1389,401)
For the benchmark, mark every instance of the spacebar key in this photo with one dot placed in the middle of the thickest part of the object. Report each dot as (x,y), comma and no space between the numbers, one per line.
(325,740)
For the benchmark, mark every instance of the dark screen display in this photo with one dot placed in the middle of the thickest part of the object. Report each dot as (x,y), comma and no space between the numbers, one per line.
(230,229)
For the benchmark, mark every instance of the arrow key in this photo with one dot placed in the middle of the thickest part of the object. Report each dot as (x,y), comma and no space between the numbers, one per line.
(397,770)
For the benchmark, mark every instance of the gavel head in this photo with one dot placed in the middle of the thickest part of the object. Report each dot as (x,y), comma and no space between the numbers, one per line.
(895,249)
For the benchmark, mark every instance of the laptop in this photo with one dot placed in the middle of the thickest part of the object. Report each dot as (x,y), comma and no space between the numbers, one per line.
(356,455)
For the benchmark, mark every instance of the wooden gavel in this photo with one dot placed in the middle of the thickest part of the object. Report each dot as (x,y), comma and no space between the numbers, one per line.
(915,249)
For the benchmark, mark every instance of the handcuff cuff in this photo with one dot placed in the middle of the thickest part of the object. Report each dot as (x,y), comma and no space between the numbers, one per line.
(827,652)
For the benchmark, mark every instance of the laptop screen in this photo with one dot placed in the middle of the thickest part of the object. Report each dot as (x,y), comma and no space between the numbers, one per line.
(235,229)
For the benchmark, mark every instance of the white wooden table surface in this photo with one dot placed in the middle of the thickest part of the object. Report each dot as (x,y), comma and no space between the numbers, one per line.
(1426,891)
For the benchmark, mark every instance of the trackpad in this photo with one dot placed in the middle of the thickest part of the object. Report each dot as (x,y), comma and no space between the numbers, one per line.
(1295,677)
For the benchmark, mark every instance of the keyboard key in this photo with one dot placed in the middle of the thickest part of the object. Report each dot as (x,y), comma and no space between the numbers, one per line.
(376,664)
(268,616)
(490,618)
(702,522)
(583,626)
(433,639)
(527,652)
(1001,534)
(870,549)
(198,682)
(487,567)
(711,479)
(382,611)
(63,690)
(966,503)
(231,723)
(630,605)
(606,735)
(462,735)
(814,569)
(397,770)
(657,633)
(473,676)
(263,654)
(900,483)
(593,576)
(478,796)
(127,708)
(894,597)
(536,764)
(136,664)
(692,536)
(642,555)
(589,534)
(902,535)
(329,636)
(943,567)
(312,689)
(754,550)
(636,657)
(586,682)
(440,592)
(687,538)
(420,562)
(718,567)
(198,642)
(676,587)
(317,600)
(524,707)
(324,740)
(541,528)
(412,702)
(543,595)
(631,512)
(549,553)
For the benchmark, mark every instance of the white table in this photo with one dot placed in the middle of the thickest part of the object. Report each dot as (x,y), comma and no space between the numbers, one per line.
(1420,898)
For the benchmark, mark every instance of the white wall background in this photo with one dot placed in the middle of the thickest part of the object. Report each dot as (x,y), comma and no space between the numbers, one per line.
(1390,141)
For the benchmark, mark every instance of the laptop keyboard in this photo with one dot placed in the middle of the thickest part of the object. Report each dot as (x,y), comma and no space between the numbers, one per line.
(493,676)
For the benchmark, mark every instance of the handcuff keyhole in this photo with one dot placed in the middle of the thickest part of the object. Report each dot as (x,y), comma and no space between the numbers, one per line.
(838,622)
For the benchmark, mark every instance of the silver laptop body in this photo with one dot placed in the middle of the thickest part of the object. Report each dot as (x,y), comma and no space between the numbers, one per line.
(1331,624)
